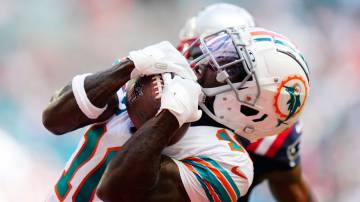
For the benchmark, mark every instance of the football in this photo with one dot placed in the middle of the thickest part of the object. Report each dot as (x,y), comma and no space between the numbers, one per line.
(143,99)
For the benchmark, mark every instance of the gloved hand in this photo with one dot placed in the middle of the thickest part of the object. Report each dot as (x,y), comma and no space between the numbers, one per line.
(160,58)
(181,97)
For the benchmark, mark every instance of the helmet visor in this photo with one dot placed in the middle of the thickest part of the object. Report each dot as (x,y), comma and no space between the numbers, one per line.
(223,57)
(224,53)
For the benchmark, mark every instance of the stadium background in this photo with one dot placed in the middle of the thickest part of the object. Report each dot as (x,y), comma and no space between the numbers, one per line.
(43,44)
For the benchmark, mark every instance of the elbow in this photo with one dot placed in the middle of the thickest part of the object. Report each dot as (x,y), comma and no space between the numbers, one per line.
(111,189)
(50,122)
(105,193)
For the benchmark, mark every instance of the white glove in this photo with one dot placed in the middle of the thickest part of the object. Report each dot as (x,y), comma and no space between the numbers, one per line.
(181,97)
(160,58)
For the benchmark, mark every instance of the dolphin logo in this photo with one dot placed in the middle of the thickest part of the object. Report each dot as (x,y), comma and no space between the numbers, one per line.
(294,101)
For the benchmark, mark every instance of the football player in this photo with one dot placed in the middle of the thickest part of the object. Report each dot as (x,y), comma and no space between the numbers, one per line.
(276,158)
(234,69)
(153,174)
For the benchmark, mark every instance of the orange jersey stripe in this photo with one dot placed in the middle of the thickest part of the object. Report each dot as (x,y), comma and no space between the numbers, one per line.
(219,175)
(208,186)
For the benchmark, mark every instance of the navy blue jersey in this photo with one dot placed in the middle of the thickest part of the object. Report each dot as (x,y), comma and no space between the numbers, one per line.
(273,153)
(277,152)
(282,149)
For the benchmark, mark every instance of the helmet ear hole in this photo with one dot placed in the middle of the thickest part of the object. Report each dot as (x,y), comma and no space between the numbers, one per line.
(248,111)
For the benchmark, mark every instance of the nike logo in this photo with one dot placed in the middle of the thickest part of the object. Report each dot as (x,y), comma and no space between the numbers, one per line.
(236,171)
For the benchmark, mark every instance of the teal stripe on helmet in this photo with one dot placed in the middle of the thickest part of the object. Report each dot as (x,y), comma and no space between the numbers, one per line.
(277,41)
(262,39)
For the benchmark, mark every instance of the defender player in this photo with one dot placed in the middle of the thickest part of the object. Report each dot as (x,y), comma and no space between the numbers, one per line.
(207,164)
(276,158)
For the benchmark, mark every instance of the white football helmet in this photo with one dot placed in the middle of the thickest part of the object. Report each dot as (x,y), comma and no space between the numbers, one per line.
(211,19)
(255,81)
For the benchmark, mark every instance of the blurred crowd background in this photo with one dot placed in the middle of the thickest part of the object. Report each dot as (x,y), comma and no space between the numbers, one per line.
(44,43)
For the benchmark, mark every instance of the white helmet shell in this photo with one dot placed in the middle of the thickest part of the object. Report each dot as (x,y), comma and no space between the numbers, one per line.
(276,85)
(214,18)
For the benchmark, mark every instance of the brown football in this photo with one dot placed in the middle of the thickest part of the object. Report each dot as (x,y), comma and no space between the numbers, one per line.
(143,102)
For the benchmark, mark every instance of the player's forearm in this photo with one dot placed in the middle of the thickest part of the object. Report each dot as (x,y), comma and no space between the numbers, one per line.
(300,192)
(134,171)
(101,86)
(63,113)
(290,186)
(293,192)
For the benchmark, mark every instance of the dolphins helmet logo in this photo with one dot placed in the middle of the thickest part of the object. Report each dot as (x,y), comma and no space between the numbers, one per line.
(289,106)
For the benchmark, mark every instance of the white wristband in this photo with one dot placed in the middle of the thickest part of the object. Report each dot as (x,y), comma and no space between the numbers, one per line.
(90,110)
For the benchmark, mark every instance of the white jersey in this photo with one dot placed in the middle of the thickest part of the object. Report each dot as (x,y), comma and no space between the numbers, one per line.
(213,166)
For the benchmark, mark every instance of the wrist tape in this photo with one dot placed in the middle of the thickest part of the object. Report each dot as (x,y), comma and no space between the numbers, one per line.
(78,88)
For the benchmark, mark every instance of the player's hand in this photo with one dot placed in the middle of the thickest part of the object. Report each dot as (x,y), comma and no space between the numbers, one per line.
(160,58)
(181,97)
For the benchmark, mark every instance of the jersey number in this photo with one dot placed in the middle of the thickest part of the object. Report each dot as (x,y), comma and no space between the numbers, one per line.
(222,134)
(85,153)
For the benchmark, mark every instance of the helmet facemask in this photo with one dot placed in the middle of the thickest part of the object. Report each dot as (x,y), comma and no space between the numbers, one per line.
(225,55)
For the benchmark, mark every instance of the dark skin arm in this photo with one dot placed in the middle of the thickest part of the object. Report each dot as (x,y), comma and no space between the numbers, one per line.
(290,186)
(139,172)
(63,114)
